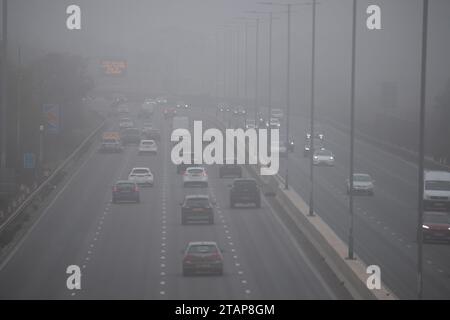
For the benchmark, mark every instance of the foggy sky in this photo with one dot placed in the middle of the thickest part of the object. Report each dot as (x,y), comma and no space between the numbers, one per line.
(171,45)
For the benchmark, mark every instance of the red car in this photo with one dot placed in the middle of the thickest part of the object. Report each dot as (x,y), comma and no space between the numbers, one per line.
(169,113)
(202,257)
(436,226)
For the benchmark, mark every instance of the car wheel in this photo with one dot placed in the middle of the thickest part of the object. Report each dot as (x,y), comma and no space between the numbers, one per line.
(258,204)
(114,200)
(220,272)
(186,273)
(220,175)
(138,200)
(211,221)
(232,204)
(183,221)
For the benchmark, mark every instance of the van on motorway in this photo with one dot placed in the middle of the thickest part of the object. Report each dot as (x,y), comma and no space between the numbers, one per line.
(436,193)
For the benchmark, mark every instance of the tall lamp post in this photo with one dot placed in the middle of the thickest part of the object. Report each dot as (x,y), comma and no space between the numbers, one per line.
(423,78)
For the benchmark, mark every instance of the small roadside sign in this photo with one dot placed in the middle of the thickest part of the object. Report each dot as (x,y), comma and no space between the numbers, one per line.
(29,160)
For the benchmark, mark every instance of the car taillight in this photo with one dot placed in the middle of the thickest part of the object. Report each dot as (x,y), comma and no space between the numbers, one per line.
(114,189)
(136,189)
(188,258)
(205,174)
(185,173)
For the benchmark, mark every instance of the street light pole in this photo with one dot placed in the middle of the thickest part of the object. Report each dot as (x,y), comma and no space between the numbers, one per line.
(423,78)
(352,135)
(3,84)
(288,93)
(311,130)
(270,63)
(256,69)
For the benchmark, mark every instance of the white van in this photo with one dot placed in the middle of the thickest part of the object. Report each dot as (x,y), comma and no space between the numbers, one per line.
(436,193)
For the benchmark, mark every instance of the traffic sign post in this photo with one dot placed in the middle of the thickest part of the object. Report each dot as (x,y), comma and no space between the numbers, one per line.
(29,160)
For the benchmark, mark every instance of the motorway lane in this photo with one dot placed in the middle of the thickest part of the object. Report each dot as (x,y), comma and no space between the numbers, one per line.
(133,251)
(391,213)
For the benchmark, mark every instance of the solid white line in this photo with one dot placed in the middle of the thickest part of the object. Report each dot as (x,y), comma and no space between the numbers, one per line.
(44,213)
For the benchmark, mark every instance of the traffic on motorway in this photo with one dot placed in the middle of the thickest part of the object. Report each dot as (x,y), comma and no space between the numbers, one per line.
(240,151)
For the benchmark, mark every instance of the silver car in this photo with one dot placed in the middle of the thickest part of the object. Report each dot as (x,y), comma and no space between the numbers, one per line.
(323,157)
(362,184)
(142,176)
(195,177)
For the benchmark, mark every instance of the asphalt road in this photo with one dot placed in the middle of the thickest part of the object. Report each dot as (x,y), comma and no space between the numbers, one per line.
(385,224)
(133,251)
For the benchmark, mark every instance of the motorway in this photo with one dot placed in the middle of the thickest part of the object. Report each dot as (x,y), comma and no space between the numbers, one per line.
(385,225)
(133,251)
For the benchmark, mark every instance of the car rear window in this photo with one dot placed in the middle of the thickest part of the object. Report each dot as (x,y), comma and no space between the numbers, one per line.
(148,143)
(245,184)
(195,170)
(437,218)
(437,185)
(132,132)
(202,249)
(197,202)
(125,186)
(140,171)
(109,140)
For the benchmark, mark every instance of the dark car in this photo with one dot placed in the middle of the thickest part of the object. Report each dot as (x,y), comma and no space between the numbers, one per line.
(318,144)
(202,257)
(245,191)
(291,144)
(197,208)
(125,191)
(169,113)
(131,136)
(181,168)
(151,134)
(230,169)
(436,226)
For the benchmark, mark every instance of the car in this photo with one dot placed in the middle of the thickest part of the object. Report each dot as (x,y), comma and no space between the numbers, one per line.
(169,113)
(244,191)
(276,113)
(290,145)
(141,176)
(197,208)
(436,226)
(274,123)
(262,122)
(125,123)
(123,109)
(131,136)
(195,176)
(147,109)
(111,142)
(181,168)
(318,145)
(124,190)
(318,133)
(436,193)
(236,111)
(202,257)
(250,124)
(230,168)
(280,146)
(182,105)
(323,157)
(152,134)
(148,146)
(362,184)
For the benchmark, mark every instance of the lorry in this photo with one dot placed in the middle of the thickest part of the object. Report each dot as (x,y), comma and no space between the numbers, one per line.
(111,142)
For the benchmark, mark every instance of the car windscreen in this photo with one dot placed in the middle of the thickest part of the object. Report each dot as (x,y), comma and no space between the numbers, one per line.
(132,132)
(140,171)
(436,218)
(109,140)
(197,202)
(245,184)
(324,153)
(147,143)
(202,249)
(195,170)
(361,178)
(125,186)
(437,185)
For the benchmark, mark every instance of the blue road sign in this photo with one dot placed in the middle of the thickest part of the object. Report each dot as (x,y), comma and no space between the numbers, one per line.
(51,116)
(29,160)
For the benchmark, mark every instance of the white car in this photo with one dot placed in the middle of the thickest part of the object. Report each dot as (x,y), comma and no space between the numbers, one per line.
(274,123)
(148,146)
(141,176)
(323,157)
(195,176)
(250,124)
(279,146)
(126,123)
(436,193)
(362,184)
(276,113)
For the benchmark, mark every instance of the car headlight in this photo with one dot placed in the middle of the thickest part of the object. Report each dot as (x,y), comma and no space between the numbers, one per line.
(424,226)
(307,148)
(315,157)
(331,158)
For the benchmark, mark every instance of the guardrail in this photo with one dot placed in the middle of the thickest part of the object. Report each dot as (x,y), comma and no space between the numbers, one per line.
(351,272)
(58,174)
